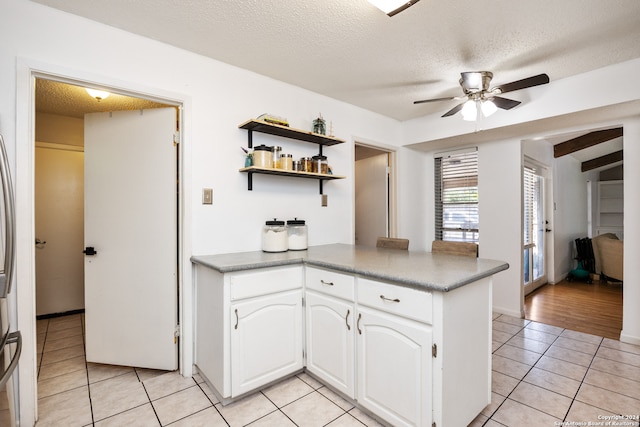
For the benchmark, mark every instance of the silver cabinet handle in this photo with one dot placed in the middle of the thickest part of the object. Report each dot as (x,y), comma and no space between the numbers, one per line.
(9,222)
(346,320)
(236,327)
(13,337)
(383,298)
(358,324)
(326,283)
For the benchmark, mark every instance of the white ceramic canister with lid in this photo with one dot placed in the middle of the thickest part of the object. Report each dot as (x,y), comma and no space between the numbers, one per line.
(275,237)
(298,234)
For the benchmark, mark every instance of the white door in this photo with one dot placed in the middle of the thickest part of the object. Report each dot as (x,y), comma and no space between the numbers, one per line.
(372,199)
(59,214)
(131,222)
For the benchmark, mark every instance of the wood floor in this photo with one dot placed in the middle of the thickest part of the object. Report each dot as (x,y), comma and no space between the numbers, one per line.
(594,309)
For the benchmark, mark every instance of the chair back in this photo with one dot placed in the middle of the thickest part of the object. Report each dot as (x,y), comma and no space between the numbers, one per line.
(392,243)
(468,249)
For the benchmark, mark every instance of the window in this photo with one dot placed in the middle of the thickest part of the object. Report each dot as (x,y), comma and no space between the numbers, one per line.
(456,193)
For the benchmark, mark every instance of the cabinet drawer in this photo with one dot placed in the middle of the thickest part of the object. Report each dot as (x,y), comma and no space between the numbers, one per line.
(254,283)
(331,283)
(398,300)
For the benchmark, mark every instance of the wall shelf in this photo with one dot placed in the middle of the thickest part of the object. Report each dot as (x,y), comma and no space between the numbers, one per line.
(291,133)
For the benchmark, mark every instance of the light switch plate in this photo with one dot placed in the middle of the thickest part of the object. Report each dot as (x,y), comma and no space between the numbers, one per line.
(207,196)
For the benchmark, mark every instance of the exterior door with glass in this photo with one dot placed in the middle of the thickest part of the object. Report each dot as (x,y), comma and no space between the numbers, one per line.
(535,228)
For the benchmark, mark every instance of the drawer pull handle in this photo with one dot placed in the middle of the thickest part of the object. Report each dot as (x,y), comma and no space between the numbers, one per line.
(346,320)
(326,283)
(236,327)
(358,324)
(383,298)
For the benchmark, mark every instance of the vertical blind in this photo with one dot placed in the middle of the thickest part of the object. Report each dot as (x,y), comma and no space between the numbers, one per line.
(456,196)
(531,209)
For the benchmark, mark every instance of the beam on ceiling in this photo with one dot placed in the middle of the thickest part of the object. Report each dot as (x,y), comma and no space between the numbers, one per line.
(602,161)
(585,141)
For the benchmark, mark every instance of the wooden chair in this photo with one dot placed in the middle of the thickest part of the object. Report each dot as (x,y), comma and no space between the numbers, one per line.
(468,249)
(391,243)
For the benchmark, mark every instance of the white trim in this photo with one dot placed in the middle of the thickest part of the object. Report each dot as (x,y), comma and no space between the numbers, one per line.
(26,72)
(443,154)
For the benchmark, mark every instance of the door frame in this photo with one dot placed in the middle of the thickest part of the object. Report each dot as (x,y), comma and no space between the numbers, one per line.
(27,71)
(392,199)
(547,201)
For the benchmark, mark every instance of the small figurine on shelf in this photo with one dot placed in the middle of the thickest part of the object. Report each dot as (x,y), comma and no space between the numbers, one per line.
(248,160)
(320,125)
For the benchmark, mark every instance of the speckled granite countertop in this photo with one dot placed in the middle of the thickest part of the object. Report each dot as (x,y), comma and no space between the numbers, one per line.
(414,269)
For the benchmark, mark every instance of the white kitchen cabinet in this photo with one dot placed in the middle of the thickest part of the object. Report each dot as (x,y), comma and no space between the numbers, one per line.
(330,341)
(394,347)
(266,340)
(394,368)
(330,331)
(248,327)
(423,357)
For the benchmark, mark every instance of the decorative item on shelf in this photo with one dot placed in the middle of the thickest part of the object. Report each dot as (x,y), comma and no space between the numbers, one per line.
(270,118)
(320,126)
(248,160)
(286,162)
(263,156)
(319,164)
(306,164)
(277,151)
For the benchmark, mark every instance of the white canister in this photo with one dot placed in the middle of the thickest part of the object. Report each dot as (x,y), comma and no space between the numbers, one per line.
(275,237)
(297,230)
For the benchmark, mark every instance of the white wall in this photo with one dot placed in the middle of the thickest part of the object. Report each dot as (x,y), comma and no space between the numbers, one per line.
(218,97)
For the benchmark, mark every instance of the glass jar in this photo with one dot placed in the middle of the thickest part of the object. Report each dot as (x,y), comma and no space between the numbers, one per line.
(275,237)
(297,232)
(306,164)
(277,150)
(286,162)
(320,164)
(263,156)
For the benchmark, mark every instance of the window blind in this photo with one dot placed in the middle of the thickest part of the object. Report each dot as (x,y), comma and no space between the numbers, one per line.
(456,196)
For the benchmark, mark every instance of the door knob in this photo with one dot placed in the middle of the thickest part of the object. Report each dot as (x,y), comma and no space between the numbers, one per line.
(89,250)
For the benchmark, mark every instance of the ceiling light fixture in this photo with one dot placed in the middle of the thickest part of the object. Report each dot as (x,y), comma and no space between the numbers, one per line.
(98,94)
(392,7)
(470,109)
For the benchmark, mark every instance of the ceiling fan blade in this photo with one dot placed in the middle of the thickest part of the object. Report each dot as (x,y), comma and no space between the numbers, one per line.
(538,80)
(504,103)
(436,100)
(453,110)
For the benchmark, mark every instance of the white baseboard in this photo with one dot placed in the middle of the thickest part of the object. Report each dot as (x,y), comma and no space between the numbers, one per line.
(629,339)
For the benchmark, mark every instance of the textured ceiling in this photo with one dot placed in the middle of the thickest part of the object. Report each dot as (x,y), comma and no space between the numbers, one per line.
(349,50)
(68,100)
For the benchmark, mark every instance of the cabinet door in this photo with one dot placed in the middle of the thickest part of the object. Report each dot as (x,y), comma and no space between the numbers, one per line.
(330,341)
(394,368)
(266,340)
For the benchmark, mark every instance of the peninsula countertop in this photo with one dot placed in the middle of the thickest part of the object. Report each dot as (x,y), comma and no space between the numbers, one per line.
(414,269)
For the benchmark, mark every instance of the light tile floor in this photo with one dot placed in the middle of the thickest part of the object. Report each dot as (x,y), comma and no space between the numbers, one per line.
(542,376)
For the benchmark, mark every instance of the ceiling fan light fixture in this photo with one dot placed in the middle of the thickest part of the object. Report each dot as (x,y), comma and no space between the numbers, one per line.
(488,107)
(469,111)
(98,94)
(392,7)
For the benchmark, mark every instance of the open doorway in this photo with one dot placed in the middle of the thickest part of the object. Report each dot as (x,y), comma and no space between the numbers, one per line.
(127,134)
(374,194)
